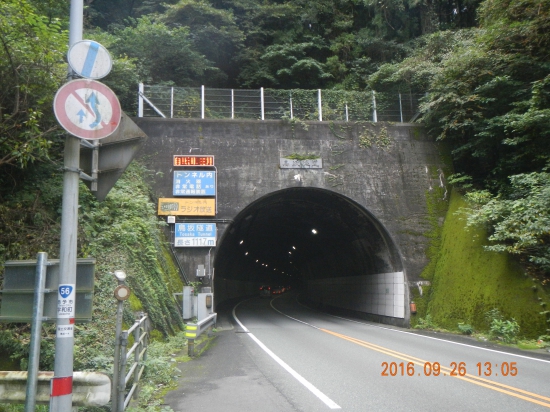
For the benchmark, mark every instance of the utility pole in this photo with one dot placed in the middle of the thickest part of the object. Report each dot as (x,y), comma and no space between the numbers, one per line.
(61,395)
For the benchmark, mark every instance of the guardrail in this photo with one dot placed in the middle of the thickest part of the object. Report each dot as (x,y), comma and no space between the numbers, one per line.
(194,330)
(88,388)
(274,104)
(122,377)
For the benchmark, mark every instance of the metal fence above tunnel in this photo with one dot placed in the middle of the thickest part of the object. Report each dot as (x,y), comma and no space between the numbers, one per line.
(274,104)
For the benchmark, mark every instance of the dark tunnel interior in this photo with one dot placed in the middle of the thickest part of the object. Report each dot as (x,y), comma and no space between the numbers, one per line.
(296,234)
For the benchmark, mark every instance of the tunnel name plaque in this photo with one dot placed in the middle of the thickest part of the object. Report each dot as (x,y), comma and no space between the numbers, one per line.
(199,234)
(300,164)
(186,207)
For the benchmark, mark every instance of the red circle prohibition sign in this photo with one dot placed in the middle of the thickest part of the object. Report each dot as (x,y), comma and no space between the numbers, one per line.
(87,109)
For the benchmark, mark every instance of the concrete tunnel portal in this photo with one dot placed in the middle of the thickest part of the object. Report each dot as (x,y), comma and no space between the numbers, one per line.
(333,249)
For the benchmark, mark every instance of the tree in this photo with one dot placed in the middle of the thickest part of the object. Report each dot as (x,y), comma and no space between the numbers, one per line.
(32,47)
(489,98)
(519,223)
(214,33)
(162,54)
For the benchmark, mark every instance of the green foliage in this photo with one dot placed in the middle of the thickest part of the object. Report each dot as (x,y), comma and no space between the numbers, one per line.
(121,233)
(123,78)
(369,138)
(520,222)
(30,213)
(31,68)
(489,98)
(298,156)
(214,33)
(465,328)
(500,328)
(460,181)
(287,44)
(160,372)
(544,341)
(107,14)
(162,54)
(467,281)
(126,228)
(426,323)
(419,67)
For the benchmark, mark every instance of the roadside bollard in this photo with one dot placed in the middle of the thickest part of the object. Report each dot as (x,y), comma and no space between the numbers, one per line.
(191,334)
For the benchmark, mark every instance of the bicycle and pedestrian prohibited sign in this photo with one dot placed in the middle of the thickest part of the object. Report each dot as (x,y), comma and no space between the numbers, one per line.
(87,109)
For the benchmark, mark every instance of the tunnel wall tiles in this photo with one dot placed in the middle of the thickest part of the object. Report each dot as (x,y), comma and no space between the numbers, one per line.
(380,294)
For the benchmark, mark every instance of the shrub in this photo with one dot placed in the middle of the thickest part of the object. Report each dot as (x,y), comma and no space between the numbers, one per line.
(425,323)
(465,328)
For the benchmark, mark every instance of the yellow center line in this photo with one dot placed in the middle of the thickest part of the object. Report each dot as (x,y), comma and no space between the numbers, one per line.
(477,380)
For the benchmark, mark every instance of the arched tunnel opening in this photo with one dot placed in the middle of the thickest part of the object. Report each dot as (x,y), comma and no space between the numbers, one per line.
(326,245)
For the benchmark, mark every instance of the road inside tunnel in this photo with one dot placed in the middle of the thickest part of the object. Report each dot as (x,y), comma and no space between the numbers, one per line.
(326,245)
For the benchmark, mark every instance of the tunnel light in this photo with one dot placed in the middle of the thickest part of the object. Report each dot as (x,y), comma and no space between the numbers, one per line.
(246,253)
(241,242)
(314,231)
(290,253)
(294,247)
(256,260)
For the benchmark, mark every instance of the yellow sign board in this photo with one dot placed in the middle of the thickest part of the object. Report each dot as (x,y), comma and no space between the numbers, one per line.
(187,207)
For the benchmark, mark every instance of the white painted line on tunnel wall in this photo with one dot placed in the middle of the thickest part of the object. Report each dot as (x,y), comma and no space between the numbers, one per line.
(324,398)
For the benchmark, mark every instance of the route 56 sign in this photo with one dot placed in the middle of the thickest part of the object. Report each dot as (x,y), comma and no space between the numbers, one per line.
(87,109)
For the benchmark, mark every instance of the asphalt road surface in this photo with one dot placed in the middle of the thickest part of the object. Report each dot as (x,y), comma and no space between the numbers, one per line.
(278,355)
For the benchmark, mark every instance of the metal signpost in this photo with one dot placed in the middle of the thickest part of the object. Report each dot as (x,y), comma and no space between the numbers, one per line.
(61,394)
(34,349)
(88,110)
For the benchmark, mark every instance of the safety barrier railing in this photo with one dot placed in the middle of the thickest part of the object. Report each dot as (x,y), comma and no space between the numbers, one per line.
(272,104)
(128,365)
(194,330)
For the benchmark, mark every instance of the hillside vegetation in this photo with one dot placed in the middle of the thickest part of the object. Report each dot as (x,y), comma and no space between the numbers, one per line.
(121,233)
(468,282)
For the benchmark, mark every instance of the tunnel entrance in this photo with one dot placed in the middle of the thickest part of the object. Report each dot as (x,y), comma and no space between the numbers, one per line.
(331,248)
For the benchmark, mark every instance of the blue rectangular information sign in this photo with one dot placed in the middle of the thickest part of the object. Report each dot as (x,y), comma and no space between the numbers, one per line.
(195,235)
(194,183)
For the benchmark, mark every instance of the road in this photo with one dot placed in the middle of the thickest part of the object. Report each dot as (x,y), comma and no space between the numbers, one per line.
(287,357)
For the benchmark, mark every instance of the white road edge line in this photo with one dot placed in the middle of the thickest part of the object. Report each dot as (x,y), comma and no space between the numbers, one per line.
(428,337)
(324,398)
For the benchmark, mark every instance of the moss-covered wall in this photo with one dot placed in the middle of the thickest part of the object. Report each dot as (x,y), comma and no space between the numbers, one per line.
(467,281)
